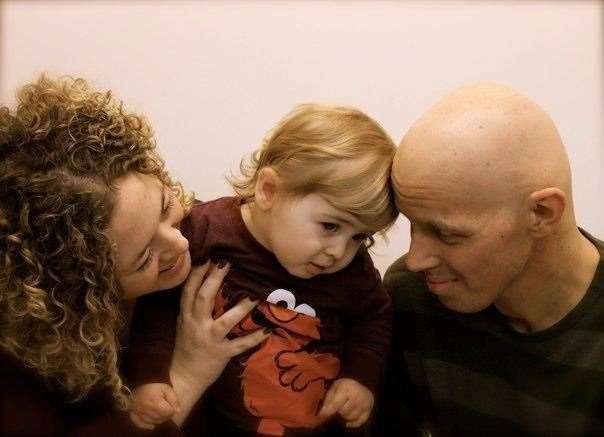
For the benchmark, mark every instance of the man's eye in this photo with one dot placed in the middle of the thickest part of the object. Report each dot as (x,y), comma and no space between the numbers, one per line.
(330,227)
(447,237)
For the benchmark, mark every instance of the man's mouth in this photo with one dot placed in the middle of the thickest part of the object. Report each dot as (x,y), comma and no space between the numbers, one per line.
(439,285)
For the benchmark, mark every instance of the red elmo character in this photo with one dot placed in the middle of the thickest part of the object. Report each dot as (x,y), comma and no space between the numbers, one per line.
(284,381)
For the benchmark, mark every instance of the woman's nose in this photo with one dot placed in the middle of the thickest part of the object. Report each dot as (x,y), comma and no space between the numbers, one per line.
(171,242)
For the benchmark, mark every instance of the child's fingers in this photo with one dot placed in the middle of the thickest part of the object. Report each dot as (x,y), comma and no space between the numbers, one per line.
(171,398)
(349,410)
(359,422)
(136,419)
(149,417)
(157,412)
(161,411)
(334,400)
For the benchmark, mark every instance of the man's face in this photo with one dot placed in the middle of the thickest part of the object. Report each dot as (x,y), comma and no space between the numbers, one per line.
(471,250)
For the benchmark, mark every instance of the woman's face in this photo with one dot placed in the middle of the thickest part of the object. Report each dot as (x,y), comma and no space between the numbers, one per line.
(151,253)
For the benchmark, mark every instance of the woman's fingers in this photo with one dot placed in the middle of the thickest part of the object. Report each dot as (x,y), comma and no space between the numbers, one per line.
(241,344)
(226,322)
(204,300)
(191,286)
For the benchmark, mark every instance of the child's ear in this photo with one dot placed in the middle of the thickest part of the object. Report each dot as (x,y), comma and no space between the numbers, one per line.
(548,207)
(267,186)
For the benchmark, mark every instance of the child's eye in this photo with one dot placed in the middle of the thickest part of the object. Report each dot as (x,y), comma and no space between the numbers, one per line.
(330,227)
(361,237)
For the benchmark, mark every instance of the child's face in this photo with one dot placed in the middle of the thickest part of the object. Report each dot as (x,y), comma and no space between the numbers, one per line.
(310,237)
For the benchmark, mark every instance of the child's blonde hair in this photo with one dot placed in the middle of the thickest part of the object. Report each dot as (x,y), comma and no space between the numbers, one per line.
(338,152)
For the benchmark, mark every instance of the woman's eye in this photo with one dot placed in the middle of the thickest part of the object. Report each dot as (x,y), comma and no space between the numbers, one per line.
(330,227)
(169,203)
(147,262)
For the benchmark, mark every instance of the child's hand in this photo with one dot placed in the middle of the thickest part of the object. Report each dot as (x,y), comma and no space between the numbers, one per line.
(352,400)
(152,404)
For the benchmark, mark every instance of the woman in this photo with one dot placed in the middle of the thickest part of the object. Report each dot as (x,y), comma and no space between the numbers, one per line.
(89,220)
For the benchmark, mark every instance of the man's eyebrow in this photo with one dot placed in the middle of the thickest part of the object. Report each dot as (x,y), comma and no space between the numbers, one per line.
(142,253)
(448,227)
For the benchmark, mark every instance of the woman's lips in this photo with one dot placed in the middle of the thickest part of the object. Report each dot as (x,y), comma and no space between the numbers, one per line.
(173,265)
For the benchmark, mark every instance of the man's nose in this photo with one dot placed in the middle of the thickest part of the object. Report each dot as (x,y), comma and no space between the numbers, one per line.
(423,253)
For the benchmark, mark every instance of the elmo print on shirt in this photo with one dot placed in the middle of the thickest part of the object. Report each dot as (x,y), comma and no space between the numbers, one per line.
(284,380)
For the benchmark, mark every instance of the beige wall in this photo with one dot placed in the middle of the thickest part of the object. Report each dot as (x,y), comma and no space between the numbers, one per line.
(214,76)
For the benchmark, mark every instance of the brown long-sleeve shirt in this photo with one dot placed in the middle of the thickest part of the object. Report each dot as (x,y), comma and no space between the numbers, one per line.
(282,382)
(28,408)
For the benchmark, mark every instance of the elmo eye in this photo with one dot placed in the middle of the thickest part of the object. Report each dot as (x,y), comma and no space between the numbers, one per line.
(282,298)
(305,309)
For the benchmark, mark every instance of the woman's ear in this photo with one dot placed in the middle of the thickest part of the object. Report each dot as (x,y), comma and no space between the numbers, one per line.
(548,206)
(267,186)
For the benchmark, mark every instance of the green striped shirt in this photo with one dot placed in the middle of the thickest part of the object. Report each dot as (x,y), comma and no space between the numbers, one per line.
(471,374)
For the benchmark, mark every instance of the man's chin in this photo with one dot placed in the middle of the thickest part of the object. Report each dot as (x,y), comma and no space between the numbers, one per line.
(461,306)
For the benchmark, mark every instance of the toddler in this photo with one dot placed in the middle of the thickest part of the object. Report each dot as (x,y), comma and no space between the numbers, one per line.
(296,234)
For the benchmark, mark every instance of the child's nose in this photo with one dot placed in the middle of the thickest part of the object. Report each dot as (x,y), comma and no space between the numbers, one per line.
(337,248)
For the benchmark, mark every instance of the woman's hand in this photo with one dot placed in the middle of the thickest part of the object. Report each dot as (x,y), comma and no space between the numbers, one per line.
(201,348)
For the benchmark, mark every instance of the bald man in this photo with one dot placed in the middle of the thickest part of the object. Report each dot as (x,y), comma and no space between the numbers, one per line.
(500,300)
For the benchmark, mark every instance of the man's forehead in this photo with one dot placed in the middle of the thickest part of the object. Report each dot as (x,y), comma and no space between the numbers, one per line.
(432,214)
(442,204)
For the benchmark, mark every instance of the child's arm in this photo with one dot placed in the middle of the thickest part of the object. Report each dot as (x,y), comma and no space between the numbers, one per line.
(368,328)
(368,343)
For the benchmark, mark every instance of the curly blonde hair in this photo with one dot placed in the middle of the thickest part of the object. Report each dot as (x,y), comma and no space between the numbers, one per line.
(338,152)
(61,152)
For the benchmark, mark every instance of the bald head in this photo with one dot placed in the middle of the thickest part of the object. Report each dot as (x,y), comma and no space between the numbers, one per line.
(487,138)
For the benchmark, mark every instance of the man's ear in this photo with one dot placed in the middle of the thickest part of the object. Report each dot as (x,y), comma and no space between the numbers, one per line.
(267,186)
(547,206)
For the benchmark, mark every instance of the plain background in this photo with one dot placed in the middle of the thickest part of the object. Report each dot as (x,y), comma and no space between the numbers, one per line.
(214,76)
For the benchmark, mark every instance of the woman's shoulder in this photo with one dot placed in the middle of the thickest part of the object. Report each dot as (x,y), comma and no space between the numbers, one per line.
(27,405)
